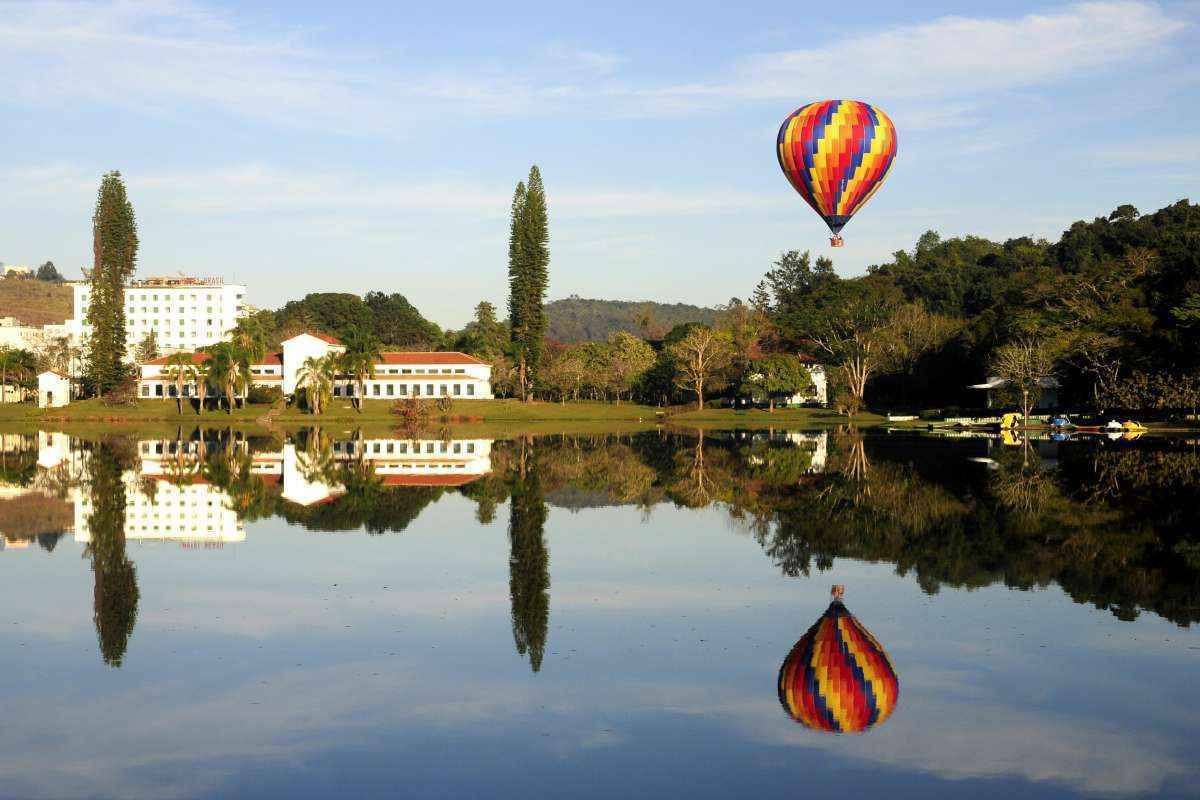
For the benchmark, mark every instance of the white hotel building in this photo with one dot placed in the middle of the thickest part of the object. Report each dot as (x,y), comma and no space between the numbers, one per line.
(184,313)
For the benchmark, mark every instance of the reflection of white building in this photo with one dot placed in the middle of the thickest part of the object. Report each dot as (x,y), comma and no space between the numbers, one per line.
(397,462)
(192,513)
(818,443)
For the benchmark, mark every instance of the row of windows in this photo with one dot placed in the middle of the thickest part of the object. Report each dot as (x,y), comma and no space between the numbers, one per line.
(403,447)
(402,390)
(420,372)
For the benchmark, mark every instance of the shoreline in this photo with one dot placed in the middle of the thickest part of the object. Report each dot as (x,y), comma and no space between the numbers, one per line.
(505,417)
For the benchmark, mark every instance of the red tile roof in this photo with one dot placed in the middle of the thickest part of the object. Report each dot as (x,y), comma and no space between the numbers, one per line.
(418,357)
(428,480)
(324,337)
(270,359)
(197,358)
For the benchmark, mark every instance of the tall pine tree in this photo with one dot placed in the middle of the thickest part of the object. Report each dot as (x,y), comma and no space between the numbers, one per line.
(114,258)
(528,277)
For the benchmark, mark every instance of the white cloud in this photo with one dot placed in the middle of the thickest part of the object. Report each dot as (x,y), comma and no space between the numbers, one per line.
(957,56)
(259,188)
(154,56)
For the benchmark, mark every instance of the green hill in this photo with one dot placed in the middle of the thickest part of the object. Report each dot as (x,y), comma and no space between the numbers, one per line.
(579,319)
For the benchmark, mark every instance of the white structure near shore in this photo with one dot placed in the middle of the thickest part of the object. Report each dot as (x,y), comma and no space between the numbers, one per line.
(398,374)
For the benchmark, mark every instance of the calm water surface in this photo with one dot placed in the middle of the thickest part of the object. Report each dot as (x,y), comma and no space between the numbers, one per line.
(340,615)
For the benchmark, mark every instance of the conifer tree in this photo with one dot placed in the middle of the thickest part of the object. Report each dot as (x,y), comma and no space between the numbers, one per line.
(114,258)
(528,275)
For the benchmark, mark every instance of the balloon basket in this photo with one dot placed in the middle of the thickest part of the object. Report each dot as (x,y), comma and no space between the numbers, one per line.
(836,241)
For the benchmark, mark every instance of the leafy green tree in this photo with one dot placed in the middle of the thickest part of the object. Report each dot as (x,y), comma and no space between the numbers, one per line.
(849,329)
(628,360)
(147,348)
(778,375)
(528,276)
(395,321)
(114,246)
(362,353)
(16,366)
(485,336)
(48,272)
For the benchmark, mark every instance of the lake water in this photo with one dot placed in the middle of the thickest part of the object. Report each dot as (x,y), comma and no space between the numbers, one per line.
(333,614)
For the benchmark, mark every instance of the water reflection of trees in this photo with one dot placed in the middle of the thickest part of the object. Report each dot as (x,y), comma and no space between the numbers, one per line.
(115,594)
(529,560)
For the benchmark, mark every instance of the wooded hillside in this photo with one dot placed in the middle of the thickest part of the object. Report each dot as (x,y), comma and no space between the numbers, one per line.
(579,319)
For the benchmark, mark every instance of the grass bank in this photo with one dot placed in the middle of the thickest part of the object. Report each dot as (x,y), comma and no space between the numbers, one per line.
(473,417)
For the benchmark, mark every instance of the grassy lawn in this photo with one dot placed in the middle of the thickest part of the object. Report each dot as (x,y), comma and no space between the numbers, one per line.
(469,417)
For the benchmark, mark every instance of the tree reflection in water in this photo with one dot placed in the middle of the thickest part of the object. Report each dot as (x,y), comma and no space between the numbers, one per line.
(529,560)
(115,596)
(1112,523)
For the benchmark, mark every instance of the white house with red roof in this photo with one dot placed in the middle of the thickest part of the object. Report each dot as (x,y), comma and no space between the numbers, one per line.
(398,374)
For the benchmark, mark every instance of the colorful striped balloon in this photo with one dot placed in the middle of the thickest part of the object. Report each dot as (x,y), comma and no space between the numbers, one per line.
(837,678)
(836,154)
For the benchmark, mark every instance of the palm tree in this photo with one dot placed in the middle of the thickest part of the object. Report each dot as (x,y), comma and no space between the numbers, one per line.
(250,337)
(10,361)
(315,376)
(179,369)
(225,370)
(363,352)
(201,373)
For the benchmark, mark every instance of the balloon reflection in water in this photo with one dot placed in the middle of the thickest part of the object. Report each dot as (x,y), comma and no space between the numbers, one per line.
(837,678)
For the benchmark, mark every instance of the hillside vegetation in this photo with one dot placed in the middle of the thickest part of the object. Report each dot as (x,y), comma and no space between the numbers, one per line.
(34,302)
(580,319)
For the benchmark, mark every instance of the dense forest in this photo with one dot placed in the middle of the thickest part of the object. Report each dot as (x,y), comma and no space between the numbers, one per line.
(1112,310)
(578,319)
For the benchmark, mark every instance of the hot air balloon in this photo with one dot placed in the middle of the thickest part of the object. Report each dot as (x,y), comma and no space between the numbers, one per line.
(837,678)
(836,154)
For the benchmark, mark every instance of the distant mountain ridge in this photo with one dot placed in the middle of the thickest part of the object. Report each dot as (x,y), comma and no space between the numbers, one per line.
(580,319)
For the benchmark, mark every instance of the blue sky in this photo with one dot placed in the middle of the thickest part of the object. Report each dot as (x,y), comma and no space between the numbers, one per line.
(300,146)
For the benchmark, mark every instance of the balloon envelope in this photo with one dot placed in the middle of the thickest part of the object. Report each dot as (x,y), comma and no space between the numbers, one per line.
(838,678)
(836,154)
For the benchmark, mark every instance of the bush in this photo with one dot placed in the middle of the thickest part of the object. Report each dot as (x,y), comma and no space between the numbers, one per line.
(123,394)
(264,395)
(414,413)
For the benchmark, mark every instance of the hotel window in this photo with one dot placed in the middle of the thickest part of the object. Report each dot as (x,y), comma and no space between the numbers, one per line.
(404,447)
(470,447)
(429,447)
(429,389)
(460,372)
(337,391)
(391,447)
(403,389)
(376,448)
(457,389)
(445,372)
(470,389)
(443,447)
(416,390)
(375,389)
(145,390)
(158,390)
(406,372)
(458,447)
(390,390)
